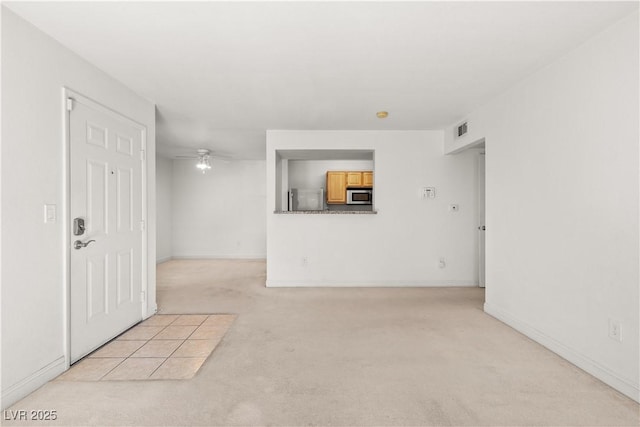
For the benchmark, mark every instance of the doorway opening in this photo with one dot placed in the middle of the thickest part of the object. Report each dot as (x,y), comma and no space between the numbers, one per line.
(481,218)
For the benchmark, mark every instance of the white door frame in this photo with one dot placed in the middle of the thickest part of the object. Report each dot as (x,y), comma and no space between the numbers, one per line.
(482,217)
(66,227)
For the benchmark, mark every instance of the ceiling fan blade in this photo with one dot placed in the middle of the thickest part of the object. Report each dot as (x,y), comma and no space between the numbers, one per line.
(206,152)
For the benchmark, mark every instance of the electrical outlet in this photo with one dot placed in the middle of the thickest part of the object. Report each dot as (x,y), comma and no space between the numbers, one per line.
(304,261)
(615,330)
(442,263)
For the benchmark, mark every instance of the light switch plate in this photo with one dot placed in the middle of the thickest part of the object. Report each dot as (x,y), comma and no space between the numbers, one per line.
(50,214)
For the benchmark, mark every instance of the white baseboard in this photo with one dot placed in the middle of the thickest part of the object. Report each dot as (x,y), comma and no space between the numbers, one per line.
(583,362)
(165,259)
(33,382)
(251,257)
(370,284)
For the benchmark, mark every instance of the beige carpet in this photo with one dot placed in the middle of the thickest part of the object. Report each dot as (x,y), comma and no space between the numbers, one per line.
(343,357)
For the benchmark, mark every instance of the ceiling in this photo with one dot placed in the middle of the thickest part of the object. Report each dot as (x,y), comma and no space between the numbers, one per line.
(221,73)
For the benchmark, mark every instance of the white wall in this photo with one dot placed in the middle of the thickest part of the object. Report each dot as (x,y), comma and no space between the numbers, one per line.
(34,70)
(219,214)
(312,173)
(164,205)
(280,184)
(401,244)
(562,205)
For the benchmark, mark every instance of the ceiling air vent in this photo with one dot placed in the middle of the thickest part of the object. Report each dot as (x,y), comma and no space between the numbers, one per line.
(461,129)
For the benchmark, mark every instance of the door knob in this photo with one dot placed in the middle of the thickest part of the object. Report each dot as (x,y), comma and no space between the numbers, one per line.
(79,245)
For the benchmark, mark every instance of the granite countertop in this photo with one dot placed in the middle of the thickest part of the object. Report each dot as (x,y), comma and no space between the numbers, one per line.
(326,212)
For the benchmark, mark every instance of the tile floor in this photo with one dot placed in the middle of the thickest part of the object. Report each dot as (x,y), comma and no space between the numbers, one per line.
(163,347)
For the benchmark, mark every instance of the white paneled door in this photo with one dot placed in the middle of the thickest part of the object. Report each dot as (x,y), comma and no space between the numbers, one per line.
(106,214)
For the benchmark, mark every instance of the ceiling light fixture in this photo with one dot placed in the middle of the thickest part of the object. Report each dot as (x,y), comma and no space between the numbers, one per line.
(382,114)
(204,163)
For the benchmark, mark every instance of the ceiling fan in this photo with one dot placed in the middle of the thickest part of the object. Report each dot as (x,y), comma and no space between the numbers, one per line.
(204,157)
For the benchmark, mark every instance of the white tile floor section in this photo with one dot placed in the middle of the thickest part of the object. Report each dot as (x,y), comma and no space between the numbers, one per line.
(163,347)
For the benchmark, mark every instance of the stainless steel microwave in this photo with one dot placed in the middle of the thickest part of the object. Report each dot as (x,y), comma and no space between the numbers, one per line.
(359,196)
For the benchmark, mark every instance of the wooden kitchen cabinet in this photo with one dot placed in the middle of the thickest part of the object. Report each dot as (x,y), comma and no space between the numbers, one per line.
(354,179)
(338,182)
(367,179)
(336,187)
(360,179)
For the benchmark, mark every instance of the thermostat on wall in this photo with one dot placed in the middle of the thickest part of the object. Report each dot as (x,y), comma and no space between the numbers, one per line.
(428,192)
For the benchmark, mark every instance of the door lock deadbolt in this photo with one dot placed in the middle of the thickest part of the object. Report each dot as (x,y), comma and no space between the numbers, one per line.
(78,226)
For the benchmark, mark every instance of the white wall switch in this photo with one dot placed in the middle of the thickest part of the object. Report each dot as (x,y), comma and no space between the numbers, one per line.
(50,214)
